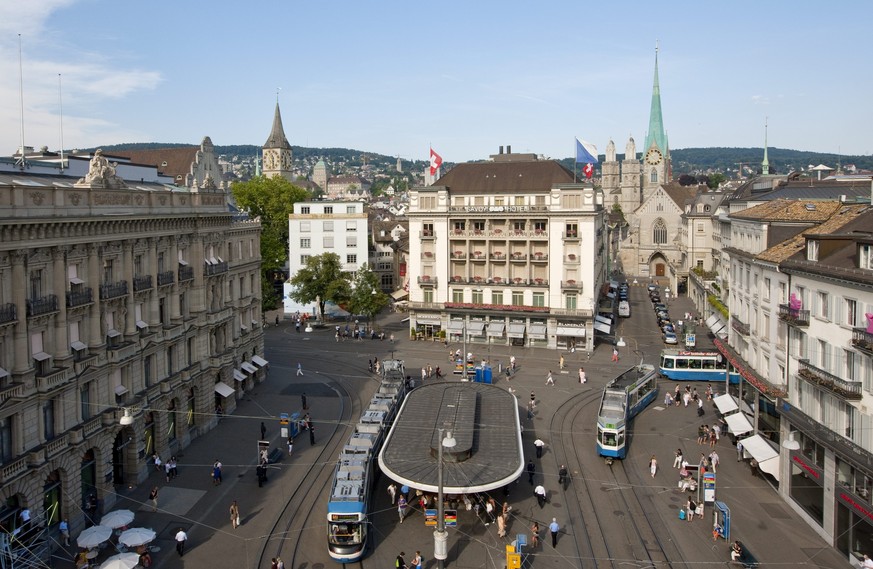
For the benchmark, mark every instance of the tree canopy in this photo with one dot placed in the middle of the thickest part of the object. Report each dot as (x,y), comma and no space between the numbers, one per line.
(366,297)
(321,280)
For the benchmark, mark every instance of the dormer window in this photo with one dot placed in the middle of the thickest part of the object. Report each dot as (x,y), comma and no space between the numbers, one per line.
(865,257)
(811,250)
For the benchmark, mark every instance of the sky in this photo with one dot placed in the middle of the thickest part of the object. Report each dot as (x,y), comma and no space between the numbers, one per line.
(465,77)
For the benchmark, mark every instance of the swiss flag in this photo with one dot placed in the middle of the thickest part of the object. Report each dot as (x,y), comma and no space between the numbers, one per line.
(588,170)
(435,162)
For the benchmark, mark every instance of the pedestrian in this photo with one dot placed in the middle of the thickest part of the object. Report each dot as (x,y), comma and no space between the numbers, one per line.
(554,528)
(153,498)
(561,362)
(702,435)
(391,337)
(709,392)
(538,445)
(400,562)
(712,437)
(530,410)
(534,535)
(234,515)
(582,378)
(867,563)
(156,458)
(677,461)
(668,400)
(686,398)
(489,511)
(512,363)
(168,469)
(299,368)
(540,493)
(423,373)
(531,470)
(181,538)
(303,401)
(370,365)
(533,400)
(261,472)
(653,466)
(263,430)
(311,435)
(401,507)
(739,451)
(700,411)
(549,380)
(290,446)
(614,354)
(713,460)
(392,491)
(216,472)
(690,508)
(563,476)
(417,560)
(64,528)
(429,371)
(376,365)
(501,526)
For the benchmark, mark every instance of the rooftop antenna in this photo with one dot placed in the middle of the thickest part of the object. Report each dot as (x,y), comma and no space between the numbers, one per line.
(21,163)
(61,107)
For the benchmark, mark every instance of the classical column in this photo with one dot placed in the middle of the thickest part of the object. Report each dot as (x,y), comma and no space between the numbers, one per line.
(150,307)
(19,298)
(95,337)
(197,301)
(176,289)
(127,271)
(61,341)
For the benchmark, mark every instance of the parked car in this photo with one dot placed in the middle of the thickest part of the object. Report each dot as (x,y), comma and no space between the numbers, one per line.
(659,307)
(652,286)
(670,338)
(667,326)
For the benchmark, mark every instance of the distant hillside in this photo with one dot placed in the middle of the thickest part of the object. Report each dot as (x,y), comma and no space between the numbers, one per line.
(685,160)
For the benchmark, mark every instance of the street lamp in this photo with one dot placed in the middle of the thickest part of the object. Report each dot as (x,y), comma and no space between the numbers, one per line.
(440,539)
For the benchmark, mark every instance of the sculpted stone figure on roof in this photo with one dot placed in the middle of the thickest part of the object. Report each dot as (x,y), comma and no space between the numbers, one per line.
(101,174)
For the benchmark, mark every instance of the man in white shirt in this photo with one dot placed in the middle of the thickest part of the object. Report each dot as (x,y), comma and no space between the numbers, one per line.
(539,444)
(540,493)
(181,538)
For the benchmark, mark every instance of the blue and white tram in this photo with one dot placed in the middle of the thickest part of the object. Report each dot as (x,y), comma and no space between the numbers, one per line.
(623,398)
(680,365)
(350,492)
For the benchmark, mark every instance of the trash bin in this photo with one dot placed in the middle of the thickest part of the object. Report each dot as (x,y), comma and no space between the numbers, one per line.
(486,374)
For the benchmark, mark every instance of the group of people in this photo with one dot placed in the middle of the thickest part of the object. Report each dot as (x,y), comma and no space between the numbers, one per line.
(170,468)
(708,435)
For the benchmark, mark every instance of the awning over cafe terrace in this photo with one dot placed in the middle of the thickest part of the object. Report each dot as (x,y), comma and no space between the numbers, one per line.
(746,372)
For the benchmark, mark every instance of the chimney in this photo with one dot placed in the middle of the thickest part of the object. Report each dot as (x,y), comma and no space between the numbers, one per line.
(501,150)
(508,149)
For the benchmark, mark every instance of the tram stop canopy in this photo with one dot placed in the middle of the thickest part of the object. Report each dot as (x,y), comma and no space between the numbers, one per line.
(484,422)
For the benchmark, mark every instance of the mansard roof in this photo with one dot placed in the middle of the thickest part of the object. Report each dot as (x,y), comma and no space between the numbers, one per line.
(178,160)
(784,210)
(522,176)
(839,221)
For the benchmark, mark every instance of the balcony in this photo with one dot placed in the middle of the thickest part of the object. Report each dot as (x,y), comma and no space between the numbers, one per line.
(426,305)
(113,290)
(571,236)
(517,281)
(863,340)
(427,280)
(457,279)
(122,352)
(186,273)
(793,317)
(212,318)
(428,234)
(849,390)
(739,326)
(478,256)
(79,297)
(539,257)
(13,391)
(218,268)
(539,282)
(56,377)
(573,258)
(458,255)
(522,257)
(142,282)
(44,305)
(498,256)
(13,470)
(582,312)
(571,285)
(427,256)
(502,307)
(7,313)
(168,278)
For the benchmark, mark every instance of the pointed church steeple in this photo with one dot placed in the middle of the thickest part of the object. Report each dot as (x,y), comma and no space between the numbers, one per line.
(765,165)
(656,132)
(277,151)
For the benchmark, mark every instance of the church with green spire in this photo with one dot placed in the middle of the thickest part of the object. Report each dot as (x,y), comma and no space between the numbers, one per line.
(656,152)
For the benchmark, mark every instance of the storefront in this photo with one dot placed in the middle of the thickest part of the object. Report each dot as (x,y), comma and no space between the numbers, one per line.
(495,331)
(515,332)
(537,333)
(569,336)
(427,326)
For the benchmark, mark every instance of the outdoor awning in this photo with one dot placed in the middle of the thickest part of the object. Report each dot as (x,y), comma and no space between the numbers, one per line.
(223,389)
(3,373)
(516,330)
(400,294)
(738,423)
(41,356)
(603,319)
(764,453)
(113,333)
(496,328)
(120,390)
(476,328)
(184,263)
(249,367)
(141,324)
(427,318)
(456,326)
(601,327)
(576,331)
(258,360)
(238,375)
(78,346)
(537,331)
(725,403)
(716,324)
(76,280)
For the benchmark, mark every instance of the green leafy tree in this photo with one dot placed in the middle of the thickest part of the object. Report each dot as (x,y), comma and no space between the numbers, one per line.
(272,200)
(366,298)
(321,280)
(715,180)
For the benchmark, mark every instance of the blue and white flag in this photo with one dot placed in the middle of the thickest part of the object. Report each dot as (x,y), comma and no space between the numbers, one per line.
(586,153)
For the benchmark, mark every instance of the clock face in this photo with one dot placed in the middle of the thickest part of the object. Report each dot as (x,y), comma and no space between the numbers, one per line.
(653,156)
(269,160)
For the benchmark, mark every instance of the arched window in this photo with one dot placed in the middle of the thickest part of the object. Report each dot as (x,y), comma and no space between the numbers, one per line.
(659,232)
(653,177)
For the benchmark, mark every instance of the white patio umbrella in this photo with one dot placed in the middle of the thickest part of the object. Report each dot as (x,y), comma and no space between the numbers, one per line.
(93,536)
(134,537)
(121,561)
(117,519)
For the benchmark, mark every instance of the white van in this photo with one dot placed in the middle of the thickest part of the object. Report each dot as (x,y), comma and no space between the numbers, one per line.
(624,309)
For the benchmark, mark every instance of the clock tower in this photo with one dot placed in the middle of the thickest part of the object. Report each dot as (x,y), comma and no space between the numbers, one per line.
(656,169)
(277,151)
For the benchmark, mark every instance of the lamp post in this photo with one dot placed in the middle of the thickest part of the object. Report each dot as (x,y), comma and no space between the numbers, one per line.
(440,539)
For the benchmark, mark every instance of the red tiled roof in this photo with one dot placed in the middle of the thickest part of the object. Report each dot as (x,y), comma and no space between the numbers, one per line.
(506,177)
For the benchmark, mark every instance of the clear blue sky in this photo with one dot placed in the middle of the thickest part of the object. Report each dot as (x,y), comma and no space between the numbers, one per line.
(465,77)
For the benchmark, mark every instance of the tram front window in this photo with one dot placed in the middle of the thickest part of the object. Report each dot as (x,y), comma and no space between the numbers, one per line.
(608,439)
(345,534)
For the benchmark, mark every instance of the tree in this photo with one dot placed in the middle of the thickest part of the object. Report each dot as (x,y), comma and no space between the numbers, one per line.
(272,200)
(687,180)
(321,280)
(715,180)
(366,298)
